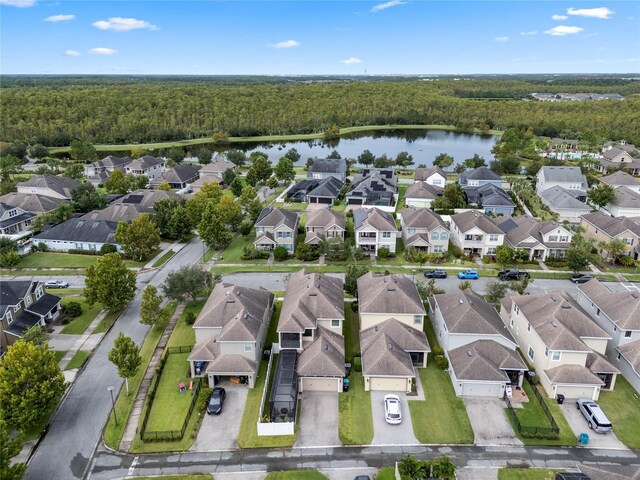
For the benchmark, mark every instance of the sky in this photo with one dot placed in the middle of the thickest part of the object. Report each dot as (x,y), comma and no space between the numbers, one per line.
(301,37)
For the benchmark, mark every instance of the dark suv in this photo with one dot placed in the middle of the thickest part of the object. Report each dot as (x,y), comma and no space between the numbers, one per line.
(512,274)
(435,274)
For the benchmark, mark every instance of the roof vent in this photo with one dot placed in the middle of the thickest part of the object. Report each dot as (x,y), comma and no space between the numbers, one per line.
(554,324)
(461,302)
(391,289)
(227,292)
(566,306)
(553,298)
(246,315)
(469,354)
(376,327)
(313,294)
(231,300)
(390,347)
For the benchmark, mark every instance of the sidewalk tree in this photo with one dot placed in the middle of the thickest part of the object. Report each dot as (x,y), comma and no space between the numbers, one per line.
(10,447)
(354,272)
(151,311)
(495,291)
(188,281)
(251,205)
(170,216)
(117,183)
(504,255)
(139,239)
(284,170)
(212,228)
(272,182)
(210,192)
(125,356)
(601,195)
(31,383)
(577,259)
(109,282)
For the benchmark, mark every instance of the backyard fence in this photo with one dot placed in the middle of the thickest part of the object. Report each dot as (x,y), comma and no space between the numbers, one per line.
(551,431)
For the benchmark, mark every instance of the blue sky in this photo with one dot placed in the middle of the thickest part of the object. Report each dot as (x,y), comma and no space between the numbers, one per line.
(318,37)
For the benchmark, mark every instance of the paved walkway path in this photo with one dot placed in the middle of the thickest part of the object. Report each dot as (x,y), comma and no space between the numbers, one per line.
(524,205)
(280,198)
(543,266)
(138,405)
(321,260)
(594,268)
(73,343)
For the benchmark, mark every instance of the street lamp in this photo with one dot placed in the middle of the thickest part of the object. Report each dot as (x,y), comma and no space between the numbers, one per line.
(113,404)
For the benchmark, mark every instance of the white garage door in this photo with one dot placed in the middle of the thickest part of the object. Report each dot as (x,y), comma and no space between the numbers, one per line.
(320,384)
(390,384)
(576,392)
(481,390)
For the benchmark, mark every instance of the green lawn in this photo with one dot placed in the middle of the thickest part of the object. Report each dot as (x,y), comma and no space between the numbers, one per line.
(526,474)
(402,188)
(351,332)
(79,325)
(183,333)
(107,321)
(77,360)
(66,292)
(59,354)
(207,256)
(233,253)
(163,259)
(386,473)
(296,475)
(272,333)
(622,407)
(355,425)
(57,260)
(197,476)
(170,406)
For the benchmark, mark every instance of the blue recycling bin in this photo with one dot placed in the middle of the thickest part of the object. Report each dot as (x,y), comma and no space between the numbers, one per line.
(584,438)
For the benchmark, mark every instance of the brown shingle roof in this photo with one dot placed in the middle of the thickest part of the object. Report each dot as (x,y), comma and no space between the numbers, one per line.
(324,357)
(233,363)
(625,197)
(325,218)
(484,360)
(375,218)
(519,229)
(423,190)
(598,363)
(620,178)
(274,217)
(421,218)
(61,185)
(631,351)
(392,294)
(421,174)
(205,351)
(610,225)
(467,220)
(623,308)
(573,374)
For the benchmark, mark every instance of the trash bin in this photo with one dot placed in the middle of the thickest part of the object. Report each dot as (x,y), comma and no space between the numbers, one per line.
(345,384)
(560,399)
(584,438)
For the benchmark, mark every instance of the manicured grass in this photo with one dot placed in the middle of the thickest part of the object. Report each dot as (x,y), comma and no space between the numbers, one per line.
(272,333)
(79,324)
(402,188)
(207,256)
(248,435)
(77,360)
(190,434)
(233,253)
(291,206)
(66,292)
(107,321)
(622,407)
(112,432)
(183,333)
(526,474)
(59,354)
(197,476)
(531,413)
(355,418)
(296,475)
(163,259)
(386,473)
(351,332)
(171,406)
(57,260)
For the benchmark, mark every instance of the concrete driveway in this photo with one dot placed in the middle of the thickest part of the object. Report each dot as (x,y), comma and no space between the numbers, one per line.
(385,434)
(219,432)
(489,421)
(318,420)
(579,425)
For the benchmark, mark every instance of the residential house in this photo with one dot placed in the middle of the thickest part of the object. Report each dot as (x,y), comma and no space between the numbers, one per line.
(131,206)
(392,340)
(24,304)
(373,187)
(230,333)
(421,194)
(310,323)
(434,176)
(179,177)
(482,353)
(32,202)
(542,240)
(107,164)
(477,177)
(316,191)
(148,166)
(276,227)
(79,234)
(475,233)
(568,178)
(564,203)
(604,228)
(621,179)
(322,168)
(625,203)
(374,229)
(324,224)
(491,199)
(561,342)
(212,172)
(423,230)
(616,158)
(618,313)
(14,222)
(49,186)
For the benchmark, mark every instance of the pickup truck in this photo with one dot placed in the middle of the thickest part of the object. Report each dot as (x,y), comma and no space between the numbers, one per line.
(512,274)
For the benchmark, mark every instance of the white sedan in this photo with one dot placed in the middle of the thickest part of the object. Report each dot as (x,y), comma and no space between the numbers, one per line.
(392,412)
(56,284)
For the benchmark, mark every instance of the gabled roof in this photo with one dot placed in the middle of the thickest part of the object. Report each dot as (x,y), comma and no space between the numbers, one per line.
(274,217)
(608,472)
(422,174)
(421,218)
(219,165)
(468,220)
(111,162)
(631,351)
(181,173)
(324,357)
(325,218)
(328,187)
(484,360)
(392,294)
(145,162)
(613,153)
(620,178)
(328,165)
(374,218)
(375,182)
(488,195)
(480,173)
(146,198)
(423,190)
(32,202)
(60,185)
(612,226)
(521,228)
(598,363)
(116,212)
(558,197)
(231,363)
(13,291)
(623,308)
(564,174)
(81,230)
(573,374)
(310,296)
(406,337)
(625,197)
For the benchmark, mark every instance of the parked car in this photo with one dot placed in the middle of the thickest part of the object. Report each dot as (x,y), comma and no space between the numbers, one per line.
(581,278)
(435,274)
(216,401)
(56,284)
(596,419)
(468,274)
(392,412)
(362,477)
(512,274)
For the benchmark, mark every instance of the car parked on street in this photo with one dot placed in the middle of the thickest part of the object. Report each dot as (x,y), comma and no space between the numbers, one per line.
(56,284)
(513,274)
(596,419)
(581,278)
(435,274)
(469,274)
(392,413)
(216,401)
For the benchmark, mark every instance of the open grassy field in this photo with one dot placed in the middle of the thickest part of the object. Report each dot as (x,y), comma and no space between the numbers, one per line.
(233,253)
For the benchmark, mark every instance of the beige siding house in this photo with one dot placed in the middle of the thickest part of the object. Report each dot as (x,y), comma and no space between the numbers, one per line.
(604,228)
(475,233)
(49,186)
(374,229)
(542,240)
(421,194)
(324,224)
(423,230)
(276,227)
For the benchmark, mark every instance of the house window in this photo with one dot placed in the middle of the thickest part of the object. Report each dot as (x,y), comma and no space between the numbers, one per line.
(438,249)
(435,236)
(33,190)
(493,237)
(511,322)
(417,319)
(335,323)
(627,334)
(280,234)
(27,299)
(259,229)
(516,309)
(436,181)
(531,353)
(386,234)
(628,241)
(564,238)
(491,251)
(288,247)
(248,346)
(444,236)
(411,231)
(553,238)
(39,293)
(13,213)
(473,183)
(308,333)
(546,351)
(555,356)
(618,356)
(528,327)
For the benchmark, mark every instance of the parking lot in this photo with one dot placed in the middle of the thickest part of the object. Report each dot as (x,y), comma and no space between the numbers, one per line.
(579,425)
(489,421)
(318,420)
(385,434)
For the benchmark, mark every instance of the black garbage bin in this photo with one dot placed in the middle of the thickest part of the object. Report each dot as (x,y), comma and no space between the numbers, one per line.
(560,399)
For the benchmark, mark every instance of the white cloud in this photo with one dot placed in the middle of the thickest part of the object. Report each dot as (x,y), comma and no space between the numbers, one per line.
(563,30)
(600,12)
(120,24)
(18,3)
(102,51)
(72,53)
(532,32)
(351,61)
(559,17)
(384,6)
(286,44)
(502,39)
(59,18)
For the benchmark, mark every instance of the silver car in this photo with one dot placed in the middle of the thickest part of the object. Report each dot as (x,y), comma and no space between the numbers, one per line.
(392,412)
(56,284)
(596,419)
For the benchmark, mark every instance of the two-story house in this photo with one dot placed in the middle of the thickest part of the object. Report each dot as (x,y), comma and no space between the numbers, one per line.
(424,230)
(477,177)
(542,240)
(625,203)
(621,179)
(179,177)
(322,168)
(616,158)
(230,333)
(482,353)
(107,164)
(475,233)
(49,186)
(373,187)
(212,172)
(568,178)
(421,194)
(276,227)
(563,344)
(14,221)
(150,167)
(24,304)
(131,206)
(392,340)
(604,228)
(32,202)
(434,176)
(491,199)
(324,224)
(310,323)
(564,203)
(618,313)
(374,229)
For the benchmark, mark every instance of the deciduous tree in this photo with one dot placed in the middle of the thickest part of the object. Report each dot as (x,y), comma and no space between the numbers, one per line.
(74,170)
(212,228)
(259,171)
(151,311)
(354,272)
(188,281)
(10,447)
(601,195)
(86,198)
(117,183)
(443,160)
(577,259)
(284,170)
(82,150)
(125,356)
(230,211)
(139,238)
(110,283)
(366,158)
(236,186)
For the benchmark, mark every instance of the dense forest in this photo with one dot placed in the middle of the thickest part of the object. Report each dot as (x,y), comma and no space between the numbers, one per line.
(54,110)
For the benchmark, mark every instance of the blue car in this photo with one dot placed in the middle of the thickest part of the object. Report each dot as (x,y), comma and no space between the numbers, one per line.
(468,274)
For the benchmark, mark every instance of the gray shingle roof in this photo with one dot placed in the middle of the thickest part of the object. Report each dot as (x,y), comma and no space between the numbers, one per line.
(81,230)
(232,364)
(116,212)
(274,217)
(612,226)
(325,218)
(518,229)
(598,363)
(423,190)
(631,351)
(480,173)
(146,198)
(324,357)
(488,195)
(60,185)
(181,173)
(573,374)
(328,187)
(375,218)
(32,202)
(623,308)
(13,291)
(468,220)
(422,174)
(421,218)
(564,174)
(373,185)
(620,178)
(407,338)
(392,294)
(218,166)
(625,197)
(328,165)
(613,153)
(484,360)
(145,162)
(558,197)
(111,162)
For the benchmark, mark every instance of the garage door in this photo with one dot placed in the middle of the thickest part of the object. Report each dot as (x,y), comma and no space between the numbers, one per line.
(324,200)
(390,384)
(355,201)
(481,390)
(320,384)
(575,392)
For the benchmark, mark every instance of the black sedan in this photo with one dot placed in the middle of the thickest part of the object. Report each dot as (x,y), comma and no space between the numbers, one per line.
(581,278)
(216,401)
(435,274)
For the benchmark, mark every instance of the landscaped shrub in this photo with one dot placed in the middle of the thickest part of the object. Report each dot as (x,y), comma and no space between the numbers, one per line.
(252,253)
(108,248)
(486,259)
(78,251)
(354,306)
(203,398)
(190,318)
(72,309)
(9,259)
(442,362)
(455,250)
(245,228)
(280,253)
(306,252)
(437,350)
(626,261)
(445,211)
(349,214)
(383,253)
(42,247)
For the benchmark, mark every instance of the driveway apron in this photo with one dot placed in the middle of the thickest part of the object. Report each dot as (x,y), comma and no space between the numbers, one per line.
(385,434)
(318,420)
(489,421)
(579,425)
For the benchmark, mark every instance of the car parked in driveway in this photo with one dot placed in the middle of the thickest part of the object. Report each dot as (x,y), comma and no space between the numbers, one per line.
(435,274)
(512,274)
(56,284)
(216,401)
(392,413)
(596,419)
(469,275)
(581,278)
